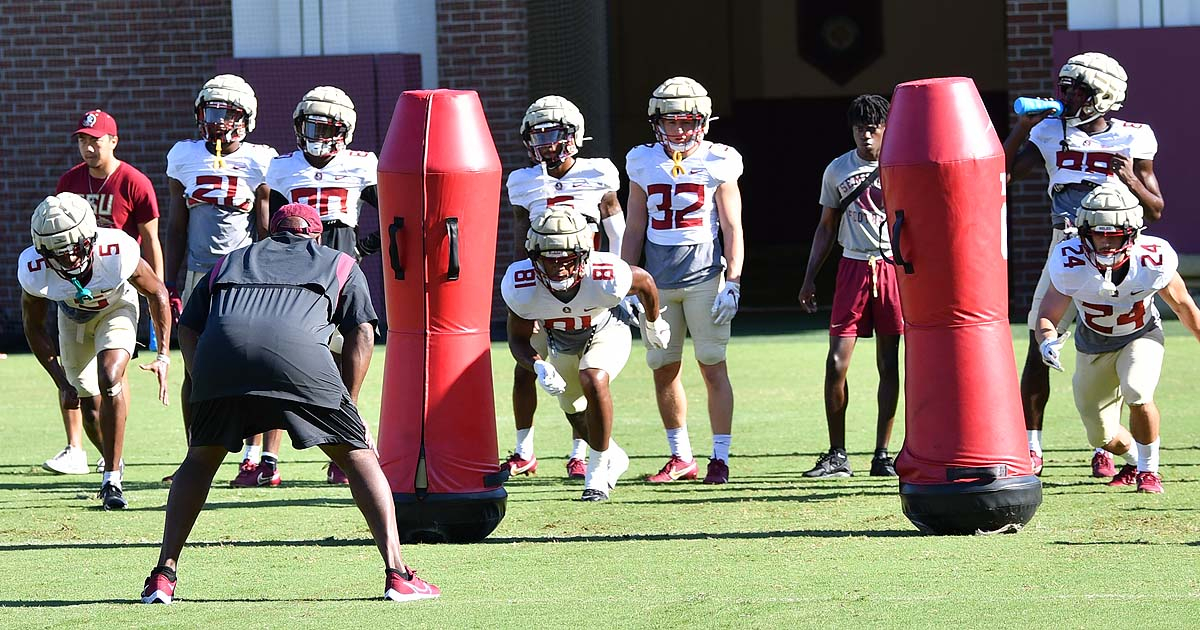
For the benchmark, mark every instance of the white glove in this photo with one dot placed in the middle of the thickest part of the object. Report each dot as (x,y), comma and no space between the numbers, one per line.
(657,332)
(1050,349)
(726,304)
(549,378)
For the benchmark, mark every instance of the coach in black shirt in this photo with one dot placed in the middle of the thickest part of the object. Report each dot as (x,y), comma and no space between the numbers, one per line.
(254,337)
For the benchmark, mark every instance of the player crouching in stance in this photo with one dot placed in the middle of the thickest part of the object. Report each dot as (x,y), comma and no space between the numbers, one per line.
(570,290)
(94,275)
(1111,274)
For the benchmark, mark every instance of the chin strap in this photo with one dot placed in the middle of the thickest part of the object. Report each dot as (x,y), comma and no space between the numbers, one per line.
(220,161)
(1107,288)
(81,292)
(677,163)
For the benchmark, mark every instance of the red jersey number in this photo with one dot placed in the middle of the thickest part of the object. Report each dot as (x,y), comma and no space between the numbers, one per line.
(567,324)
(1093,162)
(215,189)
(322,198)
(675,219)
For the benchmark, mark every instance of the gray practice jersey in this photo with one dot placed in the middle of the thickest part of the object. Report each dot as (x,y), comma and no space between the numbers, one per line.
(863,227)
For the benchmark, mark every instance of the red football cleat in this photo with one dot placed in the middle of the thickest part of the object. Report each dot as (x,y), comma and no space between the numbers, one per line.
(1126,477)
(335,476)
(518,465)
(1149,482)
(1102,465)
(159,589)
(1036,460)
(401,589)
(576,468)
(718,472)
(674,470)
(251,475)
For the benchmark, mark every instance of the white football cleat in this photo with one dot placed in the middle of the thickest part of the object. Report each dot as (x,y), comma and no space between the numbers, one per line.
(69,461)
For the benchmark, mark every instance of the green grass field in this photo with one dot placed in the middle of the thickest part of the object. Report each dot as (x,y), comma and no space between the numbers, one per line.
(769,550)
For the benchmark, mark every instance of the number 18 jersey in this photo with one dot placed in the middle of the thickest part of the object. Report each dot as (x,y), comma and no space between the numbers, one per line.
(1109,322)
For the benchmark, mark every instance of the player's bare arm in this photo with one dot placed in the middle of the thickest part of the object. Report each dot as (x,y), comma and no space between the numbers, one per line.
(33,315)
(646,291)
(151,247)
(520,332)
(358,343)
(262,209)
(520,229)
(148,284)
(635,228)
(1053,307)
(823,238)
(1177,297)
(729,212)
(188,338)
(1020,155)
(177,226)
(1138,176)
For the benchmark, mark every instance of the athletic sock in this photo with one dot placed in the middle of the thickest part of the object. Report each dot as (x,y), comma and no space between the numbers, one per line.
(721,442)
(681,446)
(252,452)
(1130,456)
(597,470)
(579,449)
(525,443)
(270,460)
(1147,456)
(114,477)
(1035,441)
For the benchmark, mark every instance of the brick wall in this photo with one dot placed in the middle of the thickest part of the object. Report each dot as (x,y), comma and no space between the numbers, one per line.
(142,61)
(482,46)
(1031,72)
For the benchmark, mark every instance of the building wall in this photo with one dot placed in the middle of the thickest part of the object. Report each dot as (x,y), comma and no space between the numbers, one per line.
(142,61)
(1031,71)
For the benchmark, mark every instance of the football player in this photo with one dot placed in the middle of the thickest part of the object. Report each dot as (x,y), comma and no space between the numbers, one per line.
(867,297)
(1079,150)
(553,130)
(683,193)
(219,198)
(93,276)
(335,180)
(570,290)
(1111,274)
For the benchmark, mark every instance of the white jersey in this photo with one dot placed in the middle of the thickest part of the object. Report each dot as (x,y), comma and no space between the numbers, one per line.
(606,281)
(1109,322)
(681,208)
(581,189)
(334,190)
(863,228)
(232,185)
(115,257)
(1088,158)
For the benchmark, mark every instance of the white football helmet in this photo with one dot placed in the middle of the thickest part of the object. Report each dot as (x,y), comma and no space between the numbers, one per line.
(64,230)
(685,105)
(559,242)
(1102,76)
(324,120)
(226,108)
(552,130)
(1110,209)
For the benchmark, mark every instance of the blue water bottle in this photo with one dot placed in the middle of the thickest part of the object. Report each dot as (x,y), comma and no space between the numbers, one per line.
(1033,105)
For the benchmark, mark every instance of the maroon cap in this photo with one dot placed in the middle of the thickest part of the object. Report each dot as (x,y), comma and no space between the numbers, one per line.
(300,210)
(97,124)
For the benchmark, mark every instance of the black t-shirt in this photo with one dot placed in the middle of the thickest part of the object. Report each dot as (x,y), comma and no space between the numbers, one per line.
(263,336)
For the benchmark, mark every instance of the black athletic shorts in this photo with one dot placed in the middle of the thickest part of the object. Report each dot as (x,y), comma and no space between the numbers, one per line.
(229,421)
(339,236)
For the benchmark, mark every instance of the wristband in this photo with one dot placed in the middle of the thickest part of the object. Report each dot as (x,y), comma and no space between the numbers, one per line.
(165,359)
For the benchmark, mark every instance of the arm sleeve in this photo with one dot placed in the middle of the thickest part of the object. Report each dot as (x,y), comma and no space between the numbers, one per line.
(354,304)
(195,314)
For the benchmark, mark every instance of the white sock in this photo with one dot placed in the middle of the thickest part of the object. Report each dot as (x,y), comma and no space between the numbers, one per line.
(253,452)
(1147,456)
(681,446)
(579,449)
(525,443)
(721,446)
(113,477)
(1130,457)
(597,471)
(1035,441)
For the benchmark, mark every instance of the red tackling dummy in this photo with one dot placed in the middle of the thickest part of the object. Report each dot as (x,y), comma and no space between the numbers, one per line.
(439,194)
(964,466)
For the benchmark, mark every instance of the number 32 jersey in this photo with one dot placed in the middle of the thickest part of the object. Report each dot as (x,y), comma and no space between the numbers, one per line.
(606,281)
(1110,322)
(115,257)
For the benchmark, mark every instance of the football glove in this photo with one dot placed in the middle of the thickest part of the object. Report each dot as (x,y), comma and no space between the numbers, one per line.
(726,304)
(549,378)
(657,332)
(1050,349)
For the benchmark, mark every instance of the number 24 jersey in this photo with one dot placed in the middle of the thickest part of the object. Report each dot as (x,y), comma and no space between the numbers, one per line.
(1109,322)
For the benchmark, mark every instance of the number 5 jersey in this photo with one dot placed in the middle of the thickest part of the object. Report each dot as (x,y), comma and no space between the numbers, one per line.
(1109,318)
(115,258)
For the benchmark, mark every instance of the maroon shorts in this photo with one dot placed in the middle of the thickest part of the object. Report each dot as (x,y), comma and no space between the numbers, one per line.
(866,300)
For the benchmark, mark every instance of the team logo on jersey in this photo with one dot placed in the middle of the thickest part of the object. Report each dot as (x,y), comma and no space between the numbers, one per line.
(566,309)
(557,185)
(89,120)
(319,176)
